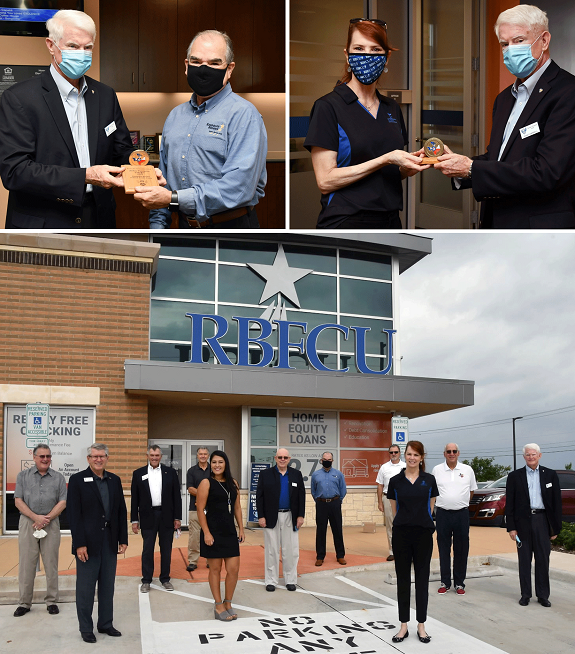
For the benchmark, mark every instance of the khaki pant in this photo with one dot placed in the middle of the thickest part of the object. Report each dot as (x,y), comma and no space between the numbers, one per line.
(281,537)
(388,513)
(193,538)
(29,549)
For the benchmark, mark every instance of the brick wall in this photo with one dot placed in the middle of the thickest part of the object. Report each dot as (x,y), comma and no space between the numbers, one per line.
(66,326)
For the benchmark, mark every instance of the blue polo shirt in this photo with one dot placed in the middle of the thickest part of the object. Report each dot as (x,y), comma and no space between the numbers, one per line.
(284,491)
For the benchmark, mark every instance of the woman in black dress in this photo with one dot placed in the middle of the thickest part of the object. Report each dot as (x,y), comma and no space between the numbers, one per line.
(217,503)
(412,494)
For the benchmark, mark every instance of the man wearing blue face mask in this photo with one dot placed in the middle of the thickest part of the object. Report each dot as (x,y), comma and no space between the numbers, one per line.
(63,137)
(525,179)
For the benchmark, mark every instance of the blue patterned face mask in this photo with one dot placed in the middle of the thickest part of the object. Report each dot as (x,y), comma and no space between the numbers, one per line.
(367,67)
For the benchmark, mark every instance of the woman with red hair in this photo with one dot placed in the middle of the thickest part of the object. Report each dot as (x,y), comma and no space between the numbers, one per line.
(356,137)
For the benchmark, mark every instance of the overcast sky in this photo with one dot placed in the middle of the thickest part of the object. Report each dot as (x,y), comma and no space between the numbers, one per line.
(497,309)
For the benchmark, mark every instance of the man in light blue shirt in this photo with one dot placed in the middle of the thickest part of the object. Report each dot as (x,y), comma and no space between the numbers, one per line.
(328,490)
(213,151)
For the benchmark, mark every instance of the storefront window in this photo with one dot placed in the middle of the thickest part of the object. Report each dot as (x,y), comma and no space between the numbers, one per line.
(242,252)
(365,298)
(184,279)
(168,321)
(240,284)
(189,248)
(263,432)
(318,292)
(375,338)
(318,259)
(365,264)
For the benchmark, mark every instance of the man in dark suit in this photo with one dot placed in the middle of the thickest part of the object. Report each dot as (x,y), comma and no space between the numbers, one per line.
(58,133)
(533,518)
(280,503)
(99,524)
(157,510)
(525,178)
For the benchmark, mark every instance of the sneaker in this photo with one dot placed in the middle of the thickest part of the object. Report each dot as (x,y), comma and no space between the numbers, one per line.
(443,589)
(145,588)
(460,590)
(167,585)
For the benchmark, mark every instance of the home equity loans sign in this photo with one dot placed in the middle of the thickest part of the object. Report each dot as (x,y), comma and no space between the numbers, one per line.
(284,345)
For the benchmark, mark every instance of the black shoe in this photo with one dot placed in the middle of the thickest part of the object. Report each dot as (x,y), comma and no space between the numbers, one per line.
(20,611)
(191,567)
(524,601)
(290,586)
(53,609)
(400,639)
(88,636)
(111,631)
(544,602)
(423,639)
(270,588)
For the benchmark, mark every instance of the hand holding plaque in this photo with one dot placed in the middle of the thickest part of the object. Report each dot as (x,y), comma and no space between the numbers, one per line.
(138,173)
(432,149)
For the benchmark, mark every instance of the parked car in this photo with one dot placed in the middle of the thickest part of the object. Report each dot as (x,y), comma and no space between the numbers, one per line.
(487,506)
(484,484)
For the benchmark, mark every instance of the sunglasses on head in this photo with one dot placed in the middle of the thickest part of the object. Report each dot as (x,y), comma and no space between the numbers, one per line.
(375,21)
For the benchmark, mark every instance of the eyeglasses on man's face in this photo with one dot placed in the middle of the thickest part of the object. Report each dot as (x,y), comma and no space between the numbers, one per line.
(44,456)
(282,458)
(451,451)
(98,456)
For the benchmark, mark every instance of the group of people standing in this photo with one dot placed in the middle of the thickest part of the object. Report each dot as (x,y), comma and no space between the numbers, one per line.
(407,495)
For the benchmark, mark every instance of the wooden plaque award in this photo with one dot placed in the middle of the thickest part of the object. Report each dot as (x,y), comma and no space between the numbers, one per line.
(433,148)
(138,173)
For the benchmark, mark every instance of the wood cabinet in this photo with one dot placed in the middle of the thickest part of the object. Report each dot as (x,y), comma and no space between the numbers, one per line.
(138,45)
(270,209)
(143,44)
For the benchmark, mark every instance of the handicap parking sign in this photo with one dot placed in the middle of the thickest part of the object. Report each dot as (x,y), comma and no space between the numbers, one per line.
(37,420)
(400,436)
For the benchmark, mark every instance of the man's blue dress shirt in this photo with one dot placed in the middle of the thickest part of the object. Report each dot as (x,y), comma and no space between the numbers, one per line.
(214,155)
(328,484)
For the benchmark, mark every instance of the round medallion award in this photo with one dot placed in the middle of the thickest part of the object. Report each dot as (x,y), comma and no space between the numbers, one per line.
(138,173)
(432,148)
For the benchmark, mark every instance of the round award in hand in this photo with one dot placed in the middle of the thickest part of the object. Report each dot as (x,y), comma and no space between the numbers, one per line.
(432,148)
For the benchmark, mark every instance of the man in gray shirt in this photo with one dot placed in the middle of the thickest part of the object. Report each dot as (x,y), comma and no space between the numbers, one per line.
(40,497)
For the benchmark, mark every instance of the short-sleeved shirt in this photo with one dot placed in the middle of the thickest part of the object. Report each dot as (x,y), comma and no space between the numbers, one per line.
(387,471)
(339,122)
(194,477)
(413,501)
(39,492)
(454,486)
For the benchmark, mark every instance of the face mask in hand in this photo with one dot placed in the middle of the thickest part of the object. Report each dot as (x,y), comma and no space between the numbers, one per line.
(204,80)
(519,60)
(367,68)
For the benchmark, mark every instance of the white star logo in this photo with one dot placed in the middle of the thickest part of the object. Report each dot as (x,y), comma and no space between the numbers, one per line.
(279,278)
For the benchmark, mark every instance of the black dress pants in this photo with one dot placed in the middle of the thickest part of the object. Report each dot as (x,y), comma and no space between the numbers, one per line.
(412,545)
(535,543)
(166,536)
(453,524)
(101,569)
(329,512)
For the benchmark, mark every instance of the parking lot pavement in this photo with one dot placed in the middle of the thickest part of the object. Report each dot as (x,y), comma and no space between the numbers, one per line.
(340,612)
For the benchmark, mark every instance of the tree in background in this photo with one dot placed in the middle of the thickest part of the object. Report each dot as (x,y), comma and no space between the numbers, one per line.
(568,466)
(485,469)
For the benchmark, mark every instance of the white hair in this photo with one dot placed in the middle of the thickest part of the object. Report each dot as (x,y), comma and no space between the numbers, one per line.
(529,16)
(531,446)
(225,37)
(99,447)
(451,443)
(72,18)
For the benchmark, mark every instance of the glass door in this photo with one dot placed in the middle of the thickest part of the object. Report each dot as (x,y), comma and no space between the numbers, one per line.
(446,76)
(181,455)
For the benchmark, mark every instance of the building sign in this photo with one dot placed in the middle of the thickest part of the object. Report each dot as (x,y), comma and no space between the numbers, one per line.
(360,467)
(37,424)
(71,431)
(284,345)
(400,430)
(254,478)
(364,429)
(308,428)
(10,75)
(306,461)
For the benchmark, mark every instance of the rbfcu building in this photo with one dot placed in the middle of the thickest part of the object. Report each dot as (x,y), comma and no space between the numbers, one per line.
(231,341)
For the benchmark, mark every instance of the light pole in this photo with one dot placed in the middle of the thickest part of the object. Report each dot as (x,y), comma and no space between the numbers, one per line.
(514,455)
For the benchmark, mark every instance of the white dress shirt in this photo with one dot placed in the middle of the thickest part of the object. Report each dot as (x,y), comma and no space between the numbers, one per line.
(155,481)
(387,471)
(454,486)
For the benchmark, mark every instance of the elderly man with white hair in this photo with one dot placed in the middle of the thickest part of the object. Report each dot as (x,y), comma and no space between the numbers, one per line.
(533,517)
(526,177)
(63,137)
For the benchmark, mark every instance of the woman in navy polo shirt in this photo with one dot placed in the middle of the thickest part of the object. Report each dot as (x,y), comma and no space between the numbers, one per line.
(412,494)
(356,137)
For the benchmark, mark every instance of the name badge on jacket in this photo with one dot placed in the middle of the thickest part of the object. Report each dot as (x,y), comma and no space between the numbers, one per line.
(548,485)
(294,484)
(111,128)
(144,477)
(88,479)
(529,130)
